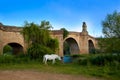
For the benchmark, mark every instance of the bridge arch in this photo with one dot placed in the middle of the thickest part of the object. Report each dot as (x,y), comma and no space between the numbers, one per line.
(16,48)
(91,46)
(70,46)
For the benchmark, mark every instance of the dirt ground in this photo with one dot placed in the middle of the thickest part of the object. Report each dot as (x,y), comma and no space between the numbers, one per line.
(34,75)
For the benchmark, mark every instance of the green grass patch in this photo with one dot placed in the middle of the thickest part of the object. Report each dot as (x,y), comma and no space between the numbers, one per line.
(62,68)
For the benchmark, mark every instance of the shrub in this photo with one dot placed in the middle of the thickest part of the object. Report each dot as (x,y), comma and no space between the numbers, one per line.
(37,51)
(98,59)
(74,56)
(83,61)
(6,59)
(7,49)
(14,59)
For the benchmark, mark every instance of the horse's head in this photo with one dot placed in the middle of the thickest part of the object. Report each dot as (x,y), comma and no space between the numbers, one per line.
(59,58)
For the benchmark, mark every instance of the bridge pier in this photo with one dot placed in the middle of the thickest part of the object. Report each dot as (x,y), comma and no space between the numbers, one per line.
(84,45)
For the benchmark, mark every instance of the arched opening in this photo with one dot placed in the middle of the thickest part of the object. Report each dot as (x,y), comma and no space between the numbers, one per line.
(12,48)
(71,47)
(91,46)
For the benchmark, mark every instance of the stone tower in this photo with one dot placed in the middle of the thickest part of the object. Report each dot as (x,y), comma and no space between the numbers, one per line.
(84,29)
(84,39)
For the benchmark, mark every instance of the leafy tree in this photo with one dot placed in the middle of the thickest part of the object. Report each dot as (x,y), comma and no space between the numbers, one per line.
(38,39)
(111,31)
(111,25)
(37,33)
(45,25)
(65,32)
(53,44)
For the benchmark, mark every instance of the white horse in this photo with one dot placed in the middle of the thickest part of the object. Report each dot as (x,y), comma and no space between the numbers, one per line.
(50,57)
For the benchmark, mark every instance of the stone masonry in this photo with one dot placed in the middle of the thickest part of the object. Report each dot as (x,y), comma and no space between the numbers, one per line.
(78,41)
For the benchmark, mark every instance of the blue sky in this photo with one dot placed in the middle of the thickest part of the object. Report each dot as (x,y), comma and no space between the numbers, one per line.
(61,13)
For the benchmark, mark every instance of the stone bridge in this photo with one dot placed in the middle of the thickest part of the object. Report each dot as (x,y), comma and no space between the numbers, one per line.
(79,42)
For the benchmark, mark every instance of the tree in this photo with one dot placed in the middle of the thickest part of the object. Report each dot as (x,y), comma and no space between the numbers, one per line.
(34,33)
(111,31)
(65,32)
(38,39)
(53,44)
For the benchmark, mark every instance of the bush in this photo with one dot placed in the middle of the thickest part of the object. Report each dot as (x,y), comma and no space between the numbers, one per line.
(7,49)
(6,59)
(74,56)
(36,51)
(22,58)
(13,59)
(83,61)
(98,59)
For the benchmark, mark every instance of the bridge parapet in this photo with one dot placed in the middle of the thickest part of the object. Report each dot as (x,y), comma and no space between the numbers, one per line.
(11,28)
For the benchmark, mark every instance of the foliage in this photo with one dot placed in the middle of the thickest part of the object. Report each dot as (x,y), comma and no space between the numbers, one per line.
(11,59)
(66,49)
(38,39)
(36,33)
(36,51)
(53,44)
(111,25)
(6,59)
(99,59)
(65,32)
(111,31)
(65,45)
(7,49)
(108,64)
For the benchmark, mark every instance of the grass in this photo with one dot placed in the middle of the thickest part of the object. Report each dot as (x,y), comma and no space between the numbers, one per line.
(62,68)
(107,66)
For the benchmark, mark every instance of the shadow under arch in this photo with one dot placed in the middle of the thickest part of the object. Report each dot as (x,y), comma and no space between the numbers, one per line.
(14,48)
(71,46)
(91,46)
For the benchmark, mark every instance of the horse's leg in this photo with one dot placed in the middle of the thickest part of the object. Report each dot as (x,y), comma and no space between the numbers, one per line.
(45,61)
(53,61)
